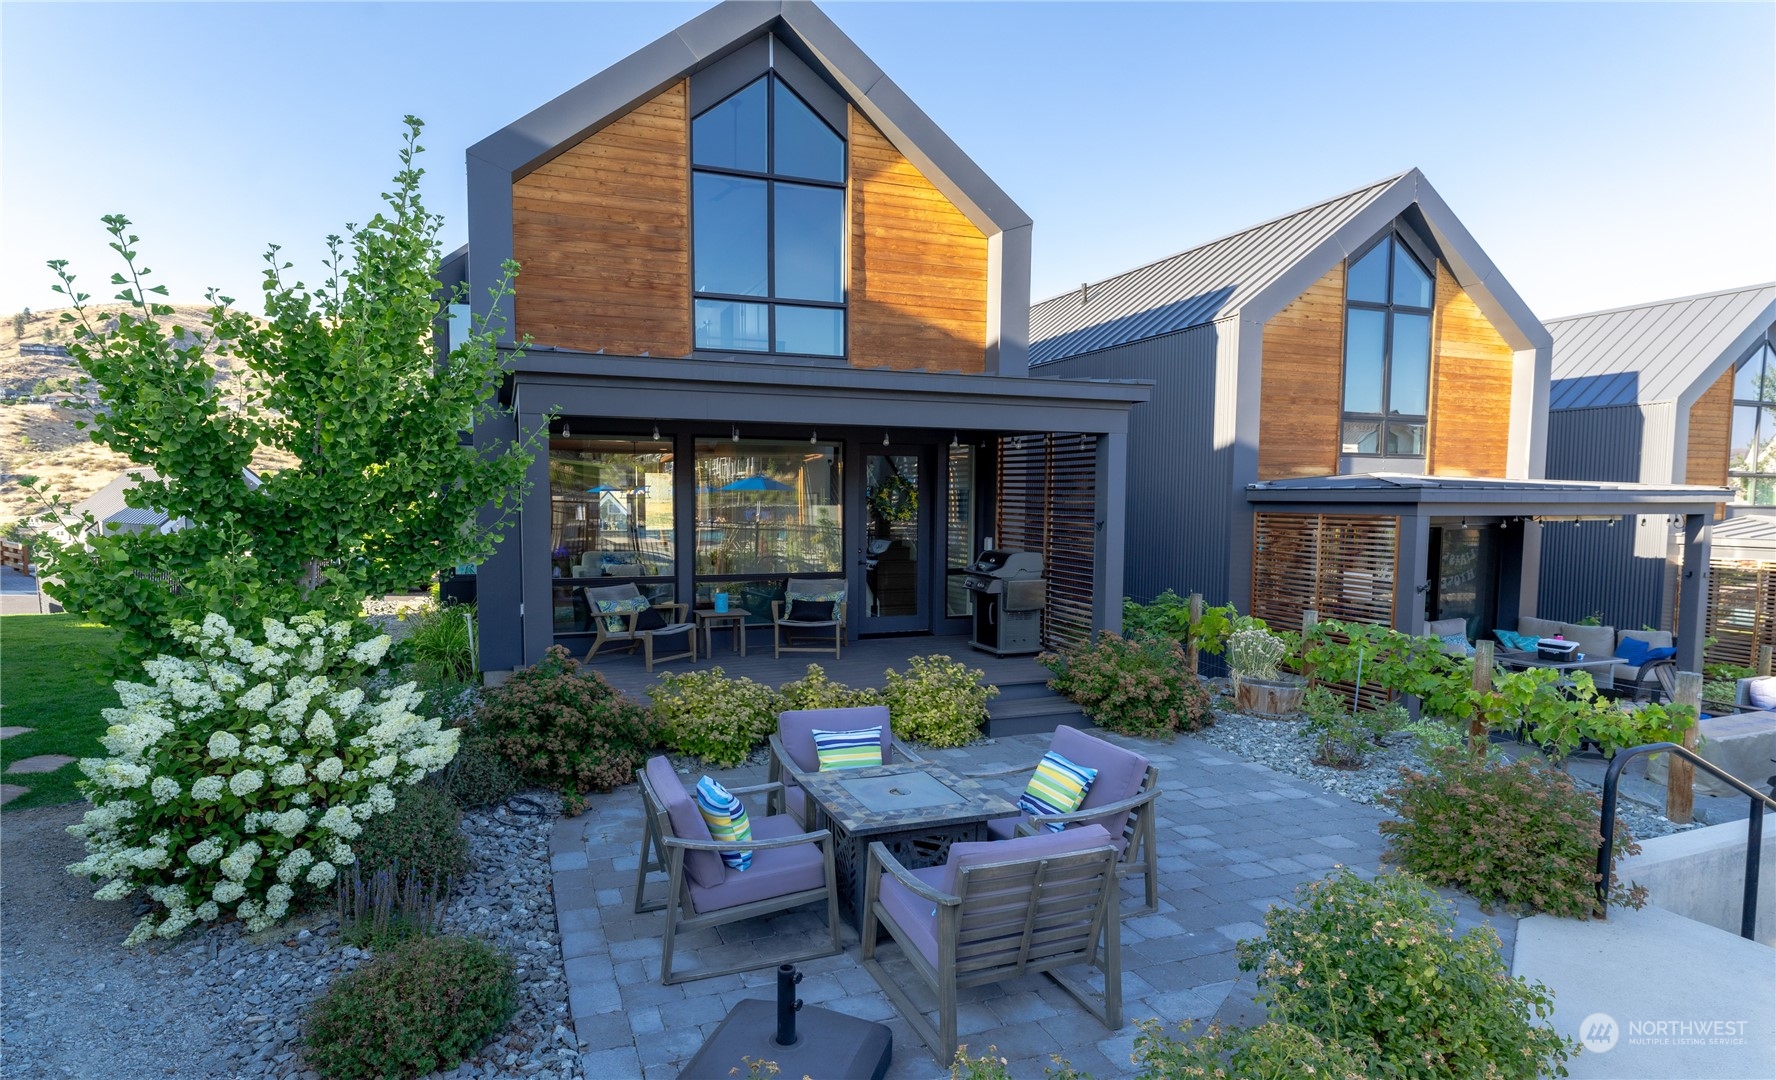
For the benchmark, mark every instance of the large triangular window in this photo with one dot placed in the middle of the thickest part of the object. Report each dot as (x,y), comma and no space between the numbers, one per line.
(1387,351)
(767,225)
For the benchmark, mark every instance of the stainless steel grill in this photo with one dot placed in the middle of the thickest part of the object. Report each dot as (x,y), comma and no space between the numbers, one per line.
(1009,594)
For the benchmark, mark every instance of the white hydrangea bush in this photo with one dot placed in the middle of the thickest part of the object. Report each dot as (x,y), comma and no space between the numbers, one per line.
(241,772)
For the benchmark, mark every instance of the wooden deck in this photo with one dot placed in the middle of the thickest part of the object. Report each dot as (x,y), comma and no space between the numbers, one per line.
(862,664)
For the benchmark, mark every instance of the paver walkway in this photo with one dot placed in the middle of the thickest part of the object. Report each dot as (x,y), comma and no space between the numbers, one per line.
(1234,838)
(9,792)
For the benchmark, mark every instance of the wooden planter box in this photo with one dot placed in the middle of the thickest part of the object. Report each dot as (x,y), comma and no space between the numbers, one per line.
(1278,698)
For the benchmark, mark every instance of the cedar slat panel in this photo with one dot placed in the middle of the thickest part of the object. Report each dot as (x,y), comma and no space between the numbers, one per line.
(602,236)
(1047,503)
(909,247)
(1470,423)
(1741,611)
(1710,437)
(1303,383)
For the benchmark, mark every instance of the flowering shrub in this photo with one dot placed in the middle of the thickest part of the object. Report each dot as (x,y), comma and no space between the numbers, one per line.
(1253,653)
(478,776)
(712,717)
(1518,834)
(422,836)
(1132,686)
(1268,1051)
(420,1007)
(815,691)
(937,701)
(1376,967)
(563,730)
(243,771)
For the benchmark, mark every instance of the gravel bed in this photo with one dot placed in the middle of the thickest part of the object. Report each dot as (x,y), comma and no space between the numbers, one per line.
(227,1004)
(1284,745)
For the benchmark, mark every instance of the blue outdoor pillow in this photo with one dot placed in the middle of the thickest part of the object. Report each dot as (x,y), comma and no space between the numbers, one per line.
(1516,642)
(1633,651)
(1659,654)
(1458,642)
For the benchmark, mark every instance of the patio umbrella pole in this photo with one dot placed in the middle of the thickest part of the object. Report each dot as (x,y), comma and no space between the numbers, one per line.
(787,1004)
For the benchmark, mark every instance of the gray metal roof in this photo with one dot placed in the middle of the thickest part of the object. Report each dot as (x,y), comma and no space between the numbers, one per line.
(1669,350)
(1538,497)
(1747,537)
(107,503)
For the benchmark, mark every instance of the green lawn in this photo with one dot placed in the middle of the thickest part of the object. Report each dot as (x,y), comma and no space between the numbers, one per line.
(55,676)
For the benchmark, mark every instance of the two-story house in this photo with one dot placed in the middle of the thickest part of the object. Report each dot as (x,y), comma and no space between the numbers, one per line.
(1349,416)
(777,326)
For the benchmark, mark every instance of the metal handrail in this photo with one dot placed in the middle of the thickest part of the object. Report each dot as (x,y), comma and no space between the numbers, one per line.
(1754,836)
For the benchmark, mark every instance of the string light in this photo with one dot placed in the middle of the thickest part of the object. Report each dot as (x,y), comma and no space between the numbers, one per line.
(736,432)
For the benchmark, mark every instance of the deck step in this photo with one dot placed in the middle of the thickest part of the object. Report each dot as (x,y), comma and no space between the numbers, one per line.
(1029,707)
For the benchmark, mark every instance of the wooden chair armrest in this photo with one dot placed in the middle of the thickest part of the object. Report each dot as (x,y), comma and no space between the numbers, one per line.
(785,764)
(679,609)
(753,789)
(992,774)
(895,746)
(776,611)
(1121,806)
(820,836)
(881,857)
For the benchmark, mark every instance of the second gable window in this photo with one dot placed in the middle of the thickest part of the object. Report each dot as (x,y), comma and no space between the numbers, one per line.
(1387,352)
(768,225)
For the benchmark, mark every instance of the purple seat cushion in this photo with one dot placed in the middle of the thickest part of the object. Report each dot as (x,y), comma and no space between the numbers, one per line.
(914,913)
(795,800)
(796,727)
(1120,773)
(775,871)
(1006,827)
(702,867)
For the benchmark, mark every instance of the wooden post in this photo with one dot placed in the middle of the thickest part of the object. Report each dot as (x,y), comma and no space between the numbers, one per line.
(1679,794)
(1764,652)
(1477,732)
(1309,619)
(1191,651)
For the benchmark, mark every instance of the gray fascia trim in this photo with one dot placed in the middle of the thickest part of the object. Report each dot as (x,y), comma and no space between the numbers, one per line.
(1008,306)
(1531,502)
(1344,241)
(715,377)
(490,239)
(1756,332)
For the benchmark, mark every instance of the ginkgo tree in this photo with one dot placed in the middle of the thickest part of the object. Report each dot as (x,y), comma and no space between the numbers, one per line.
(346,379)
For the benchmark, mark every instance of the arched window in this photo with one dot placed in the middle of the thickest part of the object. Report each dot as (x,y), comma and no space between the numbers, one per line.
(1753,459)
(767,225)
(1387,351)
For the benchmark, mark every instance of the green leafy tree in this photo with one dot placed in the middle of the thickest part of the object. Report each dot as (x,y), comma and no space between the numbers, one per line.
(346,379)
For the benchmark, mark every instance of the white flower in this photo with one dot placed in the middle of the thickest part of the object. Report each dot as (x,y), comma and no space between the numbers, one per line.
(239,863)
(291,775)
(291,822)
(205,852)
(208,788)
(370,652)
(208,911)
(164,789)
(115,889)
(320,729)
(246,781)
(336,819)
(227,891)
(224,744)
(329,770)
(293,864)
(301,798)
(322,874)
(383,766)
(257,699)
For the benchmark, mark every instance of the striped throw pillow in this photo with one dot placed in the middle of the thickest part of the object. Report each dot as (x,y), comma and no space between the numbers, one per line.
(1058,787)
(727,820)
(849,749)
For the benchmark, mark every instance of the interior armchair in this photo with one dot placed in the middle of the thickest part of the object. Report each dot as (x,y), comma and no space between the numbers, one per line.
(622,615)
(810,609)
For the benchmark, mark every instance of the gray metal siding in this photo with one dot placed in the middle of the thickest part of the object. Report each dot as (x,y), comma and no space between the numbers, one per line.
(1590,568)
(1598,444)
(1178,481)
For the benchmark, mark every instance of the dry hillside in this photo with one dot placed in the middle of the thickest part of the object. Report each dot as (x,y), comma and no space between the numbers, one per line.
(39,438)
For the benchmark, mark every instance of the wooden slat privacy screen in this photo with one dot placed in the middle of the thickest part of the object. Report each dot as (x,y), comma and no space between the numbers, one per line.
(1340,565)
(1741,611)
(1047,503)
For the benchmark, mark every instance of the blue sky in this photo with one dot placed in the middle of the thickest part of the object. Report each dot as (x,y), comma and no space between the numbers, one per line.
(1602,154)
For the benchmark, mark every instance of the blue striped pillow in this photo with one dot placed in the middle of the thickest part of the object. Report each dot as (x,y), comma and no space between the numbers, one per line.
(726,817)
(1058,787)
(848,749)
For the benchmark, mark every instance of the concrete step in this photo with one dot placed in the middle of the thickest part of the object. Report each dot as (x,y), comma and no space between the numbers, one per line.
(1681,999)
(1031,708)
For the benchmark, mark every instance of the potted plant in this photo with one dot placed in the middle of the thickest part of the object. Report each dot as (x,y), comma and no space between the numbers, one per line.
(1253,657)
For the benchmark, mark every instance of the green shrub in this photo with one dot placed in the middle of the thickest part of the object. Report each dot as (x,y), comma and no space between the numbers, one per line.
(422,1006)
(815,691)
(1376,967)
(479,776)
(566,731)
(1132,686)
(440,643)
(1518,834)
(711,717)
(937,701)
(422,836)
(387,907)
(1343,738)
(1269,1051)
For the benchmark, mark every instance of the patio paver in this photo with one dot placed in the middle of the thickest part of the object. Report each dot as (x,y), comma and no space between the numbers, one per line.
(1234,839)
(42,763)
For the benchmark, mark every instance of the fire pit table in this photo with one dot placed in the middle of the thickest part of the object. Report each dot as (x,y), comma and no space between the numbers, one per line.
(916,810)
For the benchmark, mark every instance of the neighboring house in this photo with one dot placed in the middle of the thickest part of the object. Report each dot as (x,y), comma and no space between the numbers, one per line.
(782,319)
(110,509)
(1349,416)
(1680,391)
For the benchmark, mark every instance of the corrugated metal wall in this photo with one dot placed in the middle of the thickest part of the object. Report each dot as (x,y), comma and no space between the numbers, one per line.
(1179,482)
(1588,567)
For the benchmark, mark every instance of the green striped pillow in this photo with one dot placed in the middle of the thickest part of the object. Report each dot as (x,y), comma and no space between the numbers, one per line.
(1058,787)
(848,749)
(726,817)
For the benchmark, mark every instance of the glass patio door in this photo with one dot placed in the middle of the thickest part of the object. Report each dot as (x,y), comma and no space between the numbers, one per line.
(896,533)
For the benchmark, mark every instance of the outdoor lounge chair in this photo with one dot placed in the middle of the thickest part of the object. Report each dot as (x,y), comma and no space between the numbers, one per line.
(789,868)
(1121,799)
(793,756)
(627,616)
(998,910)
(790,619)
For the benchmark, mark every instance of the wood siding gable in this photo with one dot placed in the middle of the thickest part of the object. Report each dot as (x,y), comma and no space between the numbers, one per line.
(602,237)
(1471,374)
(1302,384)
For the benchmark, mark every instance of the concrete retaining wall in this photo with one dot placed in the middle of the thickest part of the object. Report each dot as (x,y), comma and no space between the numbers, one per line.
(1700,874)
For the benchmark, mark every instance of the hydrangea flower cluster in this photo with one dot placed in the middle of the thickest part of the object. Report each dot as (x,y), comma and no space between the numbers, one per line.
(239,773)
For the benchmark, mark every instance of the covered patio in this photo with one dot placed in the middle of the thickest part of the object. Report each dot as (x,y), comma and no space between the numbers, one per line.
(1406,550)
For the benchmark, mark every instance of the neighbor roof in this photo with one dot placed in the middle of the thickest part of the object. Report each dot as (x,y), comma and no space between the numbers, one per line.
(1266,266)
(1668,350)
